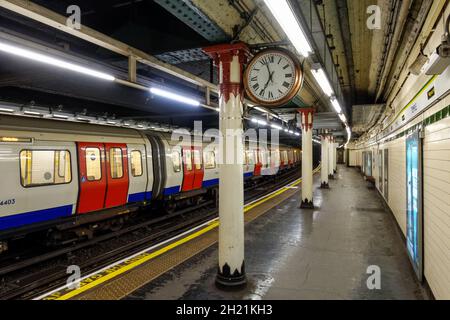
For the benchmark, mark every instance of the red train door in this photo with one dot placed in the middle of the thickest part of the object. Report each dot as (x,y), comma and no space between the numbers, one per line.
(198,168)
(188,170)
(258,164)
(117,174)
(92,175)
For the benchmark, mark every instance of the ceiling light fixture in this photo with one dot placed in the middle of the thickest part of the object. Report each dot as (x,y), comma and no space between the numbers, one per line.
(35,56)
(285,16)
(174,96)
(336,105)
(322,80)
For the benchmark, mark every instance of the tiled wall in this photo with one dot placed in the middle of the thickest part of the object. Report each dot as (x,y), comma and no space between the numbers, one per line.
(436,166)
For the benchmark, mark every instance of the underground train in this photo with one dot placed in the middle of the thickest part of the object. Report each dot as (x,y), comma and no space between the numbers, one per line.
(60,175)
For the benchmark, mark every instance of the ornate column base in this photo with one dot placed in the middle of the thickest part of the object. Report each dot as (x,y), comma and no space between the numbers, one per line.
(306,204)
(235,281)
(324,185)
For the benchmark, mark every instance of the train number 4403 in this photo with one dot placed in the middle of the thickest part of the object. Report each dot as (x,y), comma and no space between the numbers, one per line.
(7,202)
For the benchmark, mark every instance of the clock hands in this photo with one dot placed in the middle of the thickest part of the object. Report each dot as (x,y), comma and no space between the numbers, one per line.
(271,76)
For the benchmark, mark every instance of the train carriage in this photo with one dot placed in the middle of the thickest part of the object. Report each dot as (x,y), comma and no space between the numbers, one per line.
(63,175)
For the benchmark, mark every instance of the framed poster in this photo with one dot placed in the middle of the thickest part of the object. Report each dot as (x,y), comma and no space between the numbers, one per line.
(414,209)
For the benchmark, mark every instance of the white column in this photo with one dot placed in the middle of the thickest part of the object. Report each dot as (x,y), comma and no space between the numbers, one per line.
(324,163)
(231,266)
(335,145)
(307,158)
(330,157)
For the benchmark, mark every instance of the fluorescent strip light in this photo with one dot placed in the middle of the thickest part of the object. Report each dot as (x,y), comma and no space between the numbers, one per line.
(322,80)
(342,117)
(297,134)
(60,116)
(336,106)
(31,55)
(262,122)
(260,109)
(290,25)
(6,110)
(174,96)
(32,113)
(274,126)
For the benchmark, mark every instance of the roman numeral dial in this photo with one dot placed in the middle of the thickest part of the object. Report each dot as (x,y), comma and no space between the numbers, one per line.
(273,77)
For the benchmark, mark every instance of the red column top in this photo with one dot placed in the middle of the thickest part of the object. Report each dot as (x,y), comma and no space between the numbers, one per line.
(223,54)
(307,116)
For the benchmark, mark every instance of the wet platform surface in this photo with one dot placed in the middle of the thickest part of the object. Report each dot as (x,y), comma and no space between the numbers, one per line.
(307,254)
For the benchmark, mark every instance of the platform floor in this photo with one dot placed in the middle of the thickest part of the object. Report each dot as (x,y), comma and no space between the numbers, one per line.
(308,254)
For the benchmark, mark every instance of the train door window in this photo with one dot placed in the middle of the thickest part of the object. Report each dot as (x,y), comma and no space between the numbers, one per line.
(136,163)
(209,160)
(197,159)
(176,161)
(44,167)
(262,158)
(62,163)
(93,164)
(188,159)
(116,163)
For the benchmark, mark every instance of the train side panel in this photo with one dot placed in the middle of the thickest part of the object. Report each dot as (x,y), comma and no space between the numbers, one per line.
(39,182)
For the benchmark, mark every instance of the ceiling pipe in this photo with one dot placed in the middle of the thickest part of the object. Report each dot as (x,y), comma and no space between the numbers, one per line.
(347,39)
(413,30)
(396,39)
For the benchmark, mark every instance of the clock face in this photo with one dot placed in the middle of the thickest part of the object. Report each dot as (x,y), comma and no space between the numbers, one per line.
(273,77)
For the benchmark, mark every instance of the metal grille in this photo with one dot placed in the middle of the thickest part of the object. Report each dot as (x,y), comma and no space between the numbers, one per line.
(194,18)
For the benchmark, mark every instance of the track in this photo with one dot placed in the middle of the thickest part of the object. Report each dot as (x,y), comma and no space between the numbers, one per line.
(28,276)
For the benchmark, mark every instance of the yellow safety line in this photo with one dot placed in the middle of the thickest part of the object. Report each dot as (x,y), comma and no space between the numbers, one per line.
(161,251)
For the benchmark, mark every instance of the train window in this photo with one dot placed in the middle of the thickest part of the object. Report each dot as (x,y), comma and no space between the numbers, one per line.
(197,159)
(188,159)
(176,161)
(136,163)
(44,167)
(276,157)
(209,160)
(93,164)
(116,163)
(250,157)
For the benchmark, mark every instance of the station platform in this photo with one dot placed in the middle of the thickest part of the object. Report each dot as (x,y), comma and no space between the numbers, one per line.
(290,253)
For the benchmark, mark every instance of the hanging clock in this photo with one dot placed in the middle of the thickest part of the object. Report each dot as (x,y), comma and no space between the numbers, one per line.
(273,77)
